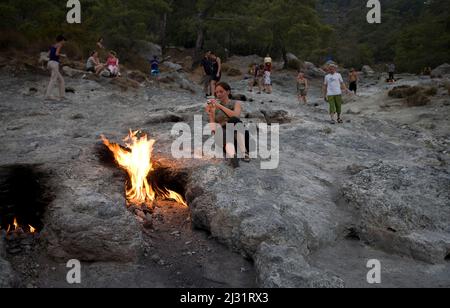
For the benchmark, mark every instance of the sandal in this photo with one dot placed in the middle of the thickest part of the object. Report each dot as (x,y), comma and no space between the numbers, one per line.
(246,158)
(234,162)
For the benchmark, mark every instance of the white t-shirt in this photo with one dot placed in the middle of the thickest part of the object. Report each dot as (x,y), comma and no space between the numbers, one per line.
(333,83)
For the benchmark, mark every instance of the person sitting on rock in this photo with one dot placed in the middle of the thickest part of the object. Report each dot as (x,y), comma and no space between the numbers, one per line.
(93,64)
(223,111)
(112,64)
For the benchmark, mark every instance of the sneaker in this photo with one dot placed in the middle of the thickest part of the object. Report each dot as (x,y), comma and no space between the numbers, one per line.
(246,158)
(340,121)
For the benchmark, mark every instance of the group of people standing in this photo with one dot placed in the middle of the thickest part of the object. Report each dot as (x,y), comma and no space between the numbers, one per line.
(212,67)
(261,76)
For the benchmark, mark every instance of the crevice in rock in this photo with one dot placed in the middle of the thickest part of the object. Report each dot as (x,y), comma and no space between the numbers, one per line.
(352,234)
(24,196)
(164,177)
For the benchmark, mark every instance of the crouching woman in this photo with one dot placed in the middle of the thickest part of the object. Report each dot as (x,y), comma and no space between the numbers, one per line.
(222,111)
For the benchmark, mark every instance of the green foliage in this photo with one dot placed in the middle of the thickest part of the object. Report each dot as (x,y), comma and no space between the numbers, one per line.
(413,33)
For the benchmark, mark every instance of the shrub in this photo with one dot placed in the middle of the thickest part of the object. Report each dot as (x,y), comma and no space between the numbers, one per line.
(432,91)
(418,99)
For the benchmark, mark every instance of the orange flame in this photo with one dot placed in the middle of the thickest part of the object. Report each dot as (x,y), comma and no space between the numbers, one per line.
(32,230)
(136,159)
(16,225)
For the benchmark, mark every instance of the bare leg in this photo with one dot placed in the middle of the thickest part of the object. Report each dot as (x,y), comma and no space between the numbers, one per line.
(241,144)
(231,151)
(62,85)
(53,78)
(213,88)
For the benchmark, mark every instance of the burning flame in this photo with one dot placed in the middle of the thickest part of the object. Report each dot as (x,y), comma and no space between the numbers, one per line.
(136,159)
(18,228)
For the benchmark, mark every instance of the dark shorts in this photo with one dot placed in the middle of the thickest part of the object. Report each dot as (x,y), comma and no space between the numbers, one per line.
(353,86)
(215,78)
(91,69)
(226,132)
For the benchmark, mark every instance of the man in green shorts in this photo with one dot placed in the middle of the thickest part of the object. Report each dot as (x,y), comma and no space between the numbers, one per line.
(332,91)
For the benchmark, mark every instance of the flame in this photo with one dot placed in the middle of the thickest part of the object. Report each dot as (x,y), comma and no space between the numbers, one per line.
(174,196)
(136,159)
(17,227)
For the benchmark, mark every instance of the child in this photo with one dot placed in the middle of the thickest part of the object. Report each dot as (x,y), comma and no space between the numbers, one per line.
(302,87)
(155,67)
(112,64)
(268,78)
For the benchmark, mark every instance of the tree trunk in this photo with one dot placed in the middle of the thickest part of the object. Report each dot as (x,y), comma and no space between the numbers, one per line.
(199,45)
(283,50)
(163,31)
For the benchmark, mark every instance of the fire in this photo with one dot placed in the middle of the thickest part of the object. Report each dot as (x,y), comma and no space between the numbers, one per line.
(136,159)
(18,228)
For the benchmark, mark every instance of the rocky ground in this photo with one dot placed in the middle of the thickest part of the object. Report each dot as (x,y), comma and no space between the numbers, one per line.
(376,187)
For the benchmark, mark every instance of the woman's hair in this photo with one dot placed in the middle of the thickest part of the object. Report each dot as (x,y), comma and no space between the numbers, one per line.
(60,38)
(93,53)
(226,87)
(100,39)
(113,53)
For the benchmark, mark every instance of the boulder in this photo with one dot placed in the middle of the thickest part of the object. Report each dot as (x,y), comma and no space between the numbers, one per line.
(293,62)
(164,117)
(234,72)
(73,73)
(281,266)
(308,65)
(402,209)
(148,50)
(441,71)
(367,70)
(179,79)
(276,116)
(172,66)
(312,71)
(137,76)
(92,223)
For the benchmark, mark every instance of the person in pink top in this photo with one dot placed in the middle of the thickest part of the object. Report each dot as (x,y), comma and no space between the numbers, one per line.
(112,63)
